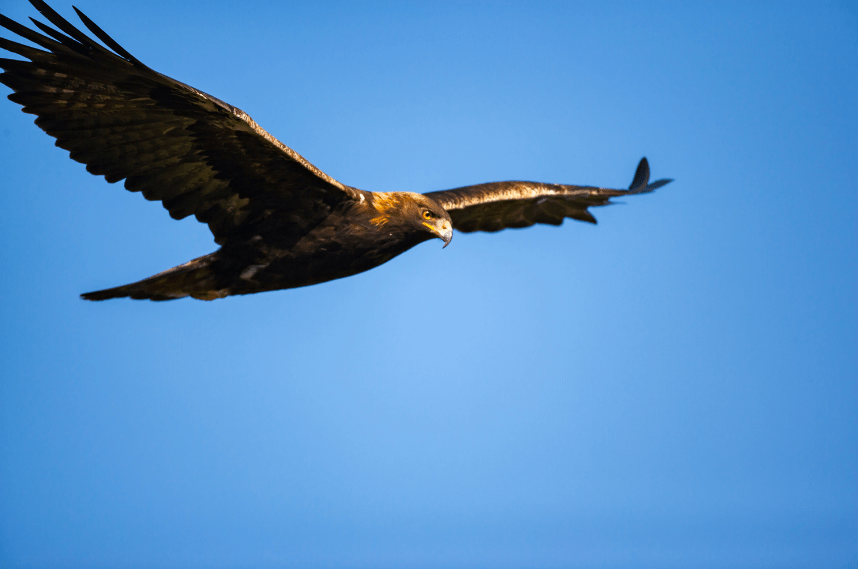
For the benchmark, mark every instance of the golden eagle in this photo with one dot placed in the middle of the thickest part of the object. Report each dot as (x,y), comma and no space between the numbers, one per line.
(280,221)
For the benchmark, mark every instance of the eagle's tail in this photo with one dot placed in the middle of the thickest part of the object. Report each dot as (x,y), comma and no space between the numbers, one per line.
(195,278)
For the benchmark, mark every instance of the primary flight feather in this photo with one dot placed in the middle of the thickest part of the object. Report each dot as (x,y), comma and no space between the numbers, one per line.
(280,221)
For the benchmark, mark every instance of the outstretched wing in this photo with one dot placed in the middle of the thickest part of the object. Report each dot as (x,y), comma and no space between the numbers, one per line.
(167,140)
(500,205)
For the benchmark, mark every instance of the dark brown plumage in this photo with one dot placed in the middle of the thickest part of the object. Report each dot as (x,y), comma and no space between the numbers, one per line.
(280,222)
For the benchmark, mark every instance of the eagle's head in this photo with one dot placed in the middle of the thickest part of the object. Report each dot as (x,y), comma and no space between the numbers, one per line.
(433,218)
(420,213)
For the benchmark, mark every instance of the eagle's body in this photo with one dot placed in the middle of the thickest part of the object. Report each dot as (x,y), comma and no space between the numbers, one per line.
(280,222)
(355,237)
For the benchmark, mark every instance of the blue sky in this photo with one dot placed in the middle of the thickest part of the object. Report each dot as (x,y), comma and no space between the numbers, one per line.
(675,387)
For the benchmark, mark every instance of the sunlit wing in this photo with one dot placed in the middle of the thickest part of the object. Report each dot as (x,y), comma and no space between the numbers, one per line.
(173,143)
(502,205)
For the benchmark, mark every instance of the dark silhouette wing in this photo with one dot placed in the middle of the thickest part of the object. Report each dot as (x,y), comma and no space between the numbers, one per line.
(501,205)
(167,140)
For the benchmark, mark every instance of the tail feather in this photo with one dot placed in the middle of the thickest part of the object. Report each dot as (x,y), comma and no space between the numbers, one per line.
(194,278)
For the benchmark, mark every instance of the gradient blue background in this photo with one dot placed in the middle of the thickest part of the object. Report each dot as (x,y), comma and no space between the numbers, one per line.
(675,387)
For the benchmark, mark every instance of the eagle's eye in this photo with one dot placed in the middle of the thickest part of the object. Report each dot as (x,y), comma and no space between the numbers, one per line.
(427,215)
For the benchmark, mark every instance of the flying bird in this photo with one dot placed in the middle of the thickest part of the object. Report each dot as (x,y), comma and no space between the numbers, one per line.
(280,222)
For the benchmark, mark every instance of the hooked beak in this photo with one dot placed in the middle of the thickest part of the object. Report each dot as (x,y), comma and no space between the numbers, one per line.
(446,233)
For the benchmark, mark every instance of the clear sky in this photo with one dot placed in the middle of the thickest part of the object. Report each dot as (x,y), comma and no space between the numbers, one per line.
(675,387)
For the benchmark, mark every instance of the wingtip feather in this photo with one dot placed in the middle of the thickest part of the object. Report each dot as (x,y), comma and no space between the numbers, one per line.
(96,296)
(641,177)
(641,184)
(658,183)
(103,36)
